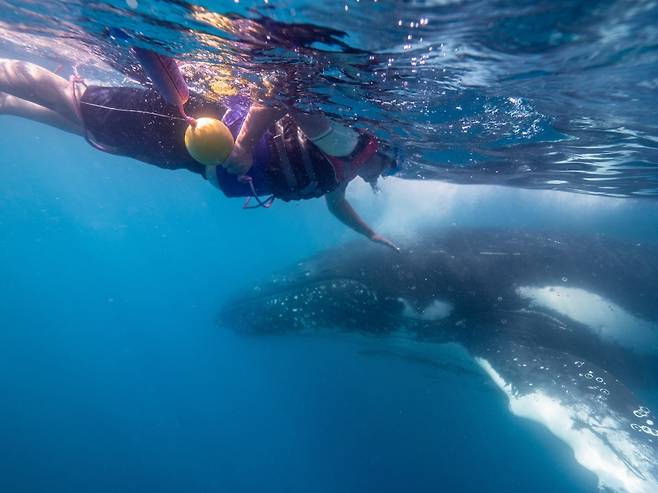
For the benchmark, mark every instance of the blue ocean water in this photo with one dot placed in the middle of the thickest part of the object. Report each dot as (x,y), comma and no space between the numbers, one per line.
(114,375)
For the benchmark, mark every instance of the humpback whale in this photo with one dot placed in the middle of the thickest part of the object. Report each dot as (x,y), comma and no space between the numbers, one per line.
(565,325)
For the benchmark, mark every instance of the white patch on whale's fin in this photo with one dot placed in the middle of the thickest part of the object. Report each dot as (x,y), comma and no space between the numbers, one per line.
(586,408)
(436,310)
(606,319)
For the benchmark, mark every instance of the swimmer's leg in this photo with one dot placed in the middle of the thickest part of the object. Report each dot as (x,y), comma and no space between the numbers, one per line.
(40,86)
(11,105)
(330,136)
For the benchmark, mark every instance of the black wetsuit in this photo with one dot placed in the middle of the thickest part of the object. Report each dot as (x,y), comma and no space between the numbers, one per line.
(153,139)
(286,164)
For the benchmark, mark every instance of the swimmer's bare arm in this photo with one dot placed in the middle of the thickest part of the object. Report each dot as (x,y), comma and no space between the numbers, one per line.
(340,207)
(258,120)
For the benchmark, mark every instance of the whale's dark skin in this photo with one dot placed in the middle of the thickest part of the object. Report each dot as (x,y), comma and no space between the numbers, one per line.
(359,287)
(477,274)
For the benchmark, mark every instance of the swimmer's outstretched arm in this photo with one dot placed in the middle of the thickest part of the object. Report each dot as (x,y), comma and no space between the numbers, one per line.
(340,207)
(258,120)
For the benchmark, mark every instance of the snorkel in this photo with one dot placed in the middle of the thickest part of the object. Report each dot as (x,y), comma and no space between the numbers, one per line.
(167,79)
(207,140)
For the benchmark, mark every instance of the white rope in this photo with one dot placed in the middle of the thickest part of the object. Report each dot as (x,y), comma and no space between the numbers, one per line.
(133,111)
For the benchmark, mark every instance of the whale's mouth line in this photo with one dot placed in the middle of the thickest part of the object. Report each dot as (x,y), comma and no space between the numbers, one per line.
(291,287)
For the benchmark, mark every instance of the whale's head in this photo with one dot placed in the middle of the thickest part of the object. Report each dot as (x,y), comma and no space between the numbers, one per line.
(357,288)
(311,298)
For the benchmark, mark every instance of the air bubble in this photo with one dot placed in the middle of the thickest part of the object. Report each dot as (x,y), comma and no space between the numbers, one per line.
(642,412)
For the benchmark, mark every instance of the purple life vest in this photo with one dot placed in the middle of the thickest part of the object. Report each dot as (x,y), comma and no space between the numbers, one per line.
(237,109)
(286,165)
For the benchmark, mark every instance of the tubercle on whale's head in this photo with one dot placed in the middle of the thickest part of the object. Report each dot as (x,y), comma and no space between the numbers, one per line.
(294,307)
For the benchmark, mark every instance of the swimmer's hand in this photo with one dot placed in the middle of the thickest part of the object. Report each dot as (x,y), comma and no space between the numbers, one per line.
(240,160)
(384,241)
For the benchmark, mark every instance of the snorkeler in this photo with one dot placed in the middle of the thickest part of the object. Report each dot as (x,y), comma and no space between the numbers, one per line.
(278,152)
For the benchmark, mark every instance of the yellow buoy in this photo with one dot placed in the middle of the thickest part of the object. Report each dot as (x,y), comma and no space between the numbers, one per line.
(210,142)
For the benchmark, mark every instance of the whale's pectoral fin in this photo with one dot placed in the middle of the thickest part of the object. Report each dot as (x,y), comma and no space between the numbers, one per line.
(610,432)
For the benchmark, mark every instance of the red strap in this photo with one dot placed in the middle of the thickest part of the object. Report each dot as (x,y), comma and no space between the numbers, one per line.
(338,165)
(369,150)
